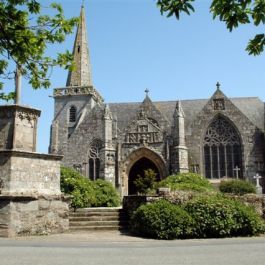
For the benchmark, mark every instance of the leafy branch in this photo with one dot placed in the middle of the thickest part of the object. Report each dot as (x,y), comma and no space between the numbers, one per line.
(232,12)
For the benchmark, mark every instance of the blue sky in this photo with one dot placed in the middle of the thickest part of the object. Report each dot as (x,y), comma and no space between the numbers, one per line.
(132,47)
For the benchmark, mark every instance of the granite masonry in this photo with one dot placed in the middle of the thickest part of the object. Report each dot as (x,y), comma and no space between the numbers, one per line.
(219,137)
(30,198)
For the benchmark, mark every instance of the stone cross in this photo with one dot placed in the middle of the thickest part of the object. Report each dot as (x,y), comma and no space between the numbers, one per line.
(146,91)
(218,85)
(18,84)
(257,177)
(237,169)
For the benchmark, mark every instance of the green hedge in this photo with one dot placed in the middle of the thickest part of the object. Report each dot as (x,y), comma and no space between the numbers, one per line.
(161,220)
(237,187)
(203,217)
(187,181)
(218,216)
(87,193)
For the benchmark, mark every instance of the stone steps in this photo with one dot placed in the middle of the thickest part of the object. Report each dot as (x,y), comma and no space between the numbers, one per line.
(90,219)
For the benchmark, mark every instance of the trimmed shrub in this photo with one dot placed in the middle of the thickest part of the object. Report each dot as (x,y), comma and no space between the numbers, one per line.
(161,220)
(87,193)
(217,216)
(237,187)
(187,181)
(105,193)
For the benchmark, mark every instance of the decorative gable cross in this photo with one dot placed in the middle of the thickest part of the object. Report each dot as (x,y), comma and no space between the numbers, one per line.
(146,91)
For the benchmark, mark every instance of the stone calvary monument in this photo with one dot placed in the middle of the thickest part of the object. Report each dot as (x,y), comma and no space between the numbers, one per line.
(30,198)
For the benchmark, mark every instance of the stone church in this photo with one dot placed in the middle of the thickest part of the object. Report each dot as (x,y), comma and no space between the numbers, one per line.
(216,137)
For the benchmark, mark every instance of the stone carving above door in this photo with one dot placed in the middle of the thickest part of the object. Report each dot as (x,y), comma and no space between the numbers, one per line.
(143,130)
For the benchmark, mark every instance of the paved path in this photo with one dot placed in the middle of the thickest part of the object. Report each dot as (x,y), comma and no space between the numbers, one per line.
(113,248)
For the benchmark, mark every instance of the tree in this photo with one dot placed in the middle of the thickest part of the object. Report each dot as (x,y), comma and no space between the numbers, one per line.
(145,183)
(232,12)
(25,34)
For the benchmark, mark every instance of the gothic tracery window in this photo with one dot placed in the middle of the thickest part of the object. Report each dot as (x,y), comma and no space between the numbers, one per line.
(222,150)
(94,159)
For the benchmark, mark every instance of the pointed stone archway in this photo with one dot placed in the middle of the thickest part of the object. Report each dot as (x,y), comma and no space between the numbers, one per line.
(136,162)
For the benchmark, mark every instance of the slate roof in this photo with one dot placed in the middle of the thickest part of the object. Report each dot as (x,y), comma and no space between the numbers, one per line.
(252,107)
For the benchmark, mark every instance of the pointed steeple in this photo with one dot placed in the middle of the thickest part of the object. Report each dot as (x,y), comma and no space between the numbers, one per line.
(81,76)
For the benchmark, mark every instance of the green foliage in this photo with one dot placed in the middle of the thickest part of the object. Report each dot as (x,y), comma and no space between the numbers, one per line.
(87,193)
(217,216)
(161,220)
(187,181)
(233,13)
(145,183)
(106,195)
(24,38)
(237,187)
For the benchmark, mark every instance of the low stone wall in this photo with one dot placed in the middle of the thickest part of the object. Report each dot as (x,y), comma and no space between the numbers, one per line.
(131,203)
(30,215)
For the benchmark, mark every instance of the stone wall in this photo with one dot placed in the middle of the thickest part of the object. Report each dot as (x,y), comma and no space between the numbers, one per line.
(29,215)
(252,137)
(131,203)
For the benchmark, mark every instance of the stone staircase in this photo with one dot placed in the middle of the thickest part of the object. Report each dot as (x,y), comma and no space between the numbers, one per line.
(90,219)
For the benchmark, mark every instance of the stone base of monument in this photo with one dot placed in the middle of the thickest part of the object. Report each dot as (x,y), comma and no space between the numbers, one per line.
(33,215)
(31,201)
(30,198)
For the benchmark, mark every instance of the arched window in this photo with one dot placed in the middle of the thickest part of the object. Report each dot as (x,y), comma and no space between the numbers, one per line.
(222,150)
(72,114)
(94,159)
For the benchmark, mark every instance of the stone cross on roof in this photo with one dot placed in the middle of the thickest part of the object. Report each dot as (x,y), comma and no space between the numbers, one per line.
(218,85)
(147,91)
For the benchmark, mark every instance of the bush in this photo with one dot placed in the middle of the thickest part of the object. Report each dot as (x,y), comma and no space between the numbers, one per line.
(87,193)
(237,187)
(187,181)
(161,220)
(106,195)
(145,184)
(217,216)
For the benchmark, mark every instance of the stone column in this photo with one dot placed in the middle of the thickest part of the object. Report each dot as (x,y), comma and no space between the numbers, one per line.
(109,152)
(179,151)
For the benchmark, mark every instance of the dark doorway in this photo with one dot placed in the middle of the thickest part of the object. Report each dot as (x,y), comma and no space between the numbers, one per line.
(138,169)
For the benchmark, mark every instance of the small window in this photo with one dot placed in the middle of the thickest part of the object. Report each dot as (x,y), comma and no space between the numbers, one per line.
(94,159)
(72,114)
(78,49)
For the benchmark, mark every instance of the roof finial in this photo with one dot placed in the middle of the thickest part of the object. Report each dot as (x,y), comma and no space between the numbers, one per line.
(218,85)
(146,91)
(82,3)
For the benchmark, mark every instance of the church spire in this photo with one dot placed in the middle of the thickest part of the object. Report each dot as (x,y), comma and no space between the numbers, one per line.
(81,76)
